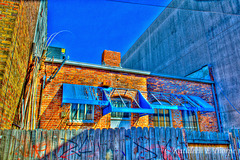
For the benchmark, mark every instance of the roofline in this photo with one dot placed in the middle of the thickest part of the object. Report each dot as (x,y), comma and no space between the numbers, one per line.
(118,69)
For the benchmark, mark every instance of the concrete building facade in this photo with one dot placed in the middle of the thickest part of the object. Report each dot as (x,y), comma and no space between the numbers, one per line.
(188,35)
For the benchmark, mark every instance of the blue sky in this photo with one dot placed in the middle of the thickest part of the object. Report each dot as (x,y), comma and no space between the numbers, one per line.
(95,25)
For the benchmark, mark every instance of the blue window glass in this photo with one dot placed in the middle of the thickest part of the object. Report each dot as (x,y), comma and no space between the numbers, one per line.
(79,112)
(189,119)
(117,102)
(162,117)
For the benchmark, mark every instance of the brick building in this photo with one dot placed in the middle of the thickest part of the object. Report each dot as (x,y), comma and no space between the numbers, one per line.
(84,96)
(22,33)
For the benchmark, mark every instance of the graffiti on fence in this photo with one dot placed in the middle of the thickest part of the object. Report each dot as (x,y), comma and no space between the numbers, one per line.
(165,152)
(73,148)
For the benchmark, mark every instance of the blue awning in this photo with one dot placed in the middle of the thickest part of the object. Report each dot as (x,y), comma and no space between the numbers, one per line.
(145,106)
(81,94)
(164,106)
(193,103)
(203,104)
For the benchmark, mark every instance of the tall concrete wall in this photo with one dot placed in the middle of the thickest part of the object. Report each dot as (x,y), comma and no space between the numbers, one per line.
(188,35)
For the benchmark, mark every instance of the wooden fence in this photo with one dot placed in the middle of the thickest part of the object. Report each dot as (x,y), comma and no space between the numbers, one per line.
(135,143)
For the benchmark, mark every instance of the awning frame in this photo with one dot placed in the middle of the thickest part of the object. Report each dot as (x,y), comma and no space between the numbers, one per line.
(111,108)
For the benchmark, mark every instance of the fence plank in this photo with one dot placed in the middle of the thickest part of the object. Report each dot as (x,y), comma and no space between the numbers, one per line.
(110,145)
(163,143)
(79,142)
(68,144)
(3,132)
(62,139)
(55,143)
(179,144)
(37,145)
(128,144)
(236,142)
(117,144)
(21,152)
(85,144)
(184,144)
(74,145)
(28,145)
(133,142)
(152,146)
(49,144)
(91,144)
(168,144)
(103,143)
(16,145)
(146,143)
(158,143)
(97,149)
(140,151)
(46,142)
(12,143)
(7,137)
(122,143)
(32,143)
(173,143)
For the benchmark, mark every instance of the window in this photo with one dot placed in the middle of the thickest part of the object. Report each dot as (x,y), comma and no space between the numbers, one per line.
(189,119)
(117,102)
(162,117)
(82,112)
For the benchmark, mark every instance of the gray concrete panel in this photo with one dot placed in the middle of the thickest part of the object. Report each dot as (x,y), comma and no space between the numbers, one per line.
(188,35)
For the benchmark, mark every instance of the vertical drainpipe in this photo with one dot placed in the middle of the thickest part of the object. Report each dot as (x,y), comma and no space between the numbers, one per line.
(216,109)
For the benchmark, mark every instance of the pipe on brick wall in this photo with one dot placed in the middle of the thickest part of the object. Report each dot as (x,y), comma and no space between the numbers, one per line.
(118,69)
(216,108)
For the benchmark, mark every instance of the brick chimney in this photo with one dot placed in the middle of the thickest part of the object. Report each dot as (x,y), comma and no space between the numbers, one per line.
(111,58)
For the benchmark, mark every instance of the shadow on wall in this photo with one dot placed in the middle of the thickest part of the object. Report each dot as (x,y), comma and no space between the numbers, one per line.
(51,116)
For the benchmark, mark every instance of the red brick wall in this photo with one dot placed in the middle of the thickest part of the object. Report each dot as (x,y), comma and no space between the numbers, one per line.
(17,28)
(52,96)
(207,120)
(111,58)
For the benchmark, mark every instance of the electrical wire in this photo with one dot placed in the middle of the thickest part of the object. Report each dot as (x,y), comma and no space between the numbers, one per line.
(162,6)
(224,93)
(227,98)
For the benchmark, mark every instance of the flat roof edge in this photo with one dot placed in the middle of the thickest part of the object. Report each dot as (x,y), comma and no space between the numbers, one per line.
(74,63)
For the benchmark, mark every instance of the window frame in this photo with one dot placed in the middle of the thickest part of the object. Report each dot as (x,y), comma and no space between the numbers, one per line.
(121,99)
(190,124)
(78,116)
(164,114)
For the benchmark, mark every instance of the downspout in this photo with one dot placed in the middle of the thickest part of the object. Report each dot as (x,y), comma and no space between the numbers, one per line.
(40,103)
(52,77)
(216,108)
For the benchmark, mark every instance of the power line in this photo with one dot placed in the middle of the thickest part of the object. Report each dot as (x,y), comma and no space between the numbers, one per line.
(193,10)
